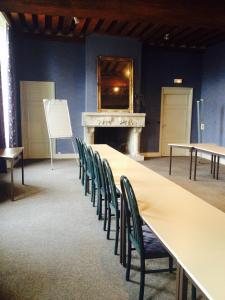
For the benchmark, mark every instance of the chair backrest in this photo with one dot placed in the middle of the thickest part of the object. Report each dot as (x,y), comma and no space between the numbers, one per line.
(101,173)
(87,166)
(132,211)
(78,142)
(97,170)
(82,144)
(110,185)
(91,161)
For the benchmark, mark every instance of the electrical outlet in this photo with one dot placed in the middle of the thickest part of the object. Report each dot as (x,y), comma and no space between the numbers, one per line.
(202,126)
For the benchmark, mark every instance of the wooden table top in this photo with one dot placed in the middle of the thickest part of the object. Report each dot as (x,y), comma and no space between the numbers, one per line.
(181,145)
(191,229)
(211,148)
(10,153)
(193,145)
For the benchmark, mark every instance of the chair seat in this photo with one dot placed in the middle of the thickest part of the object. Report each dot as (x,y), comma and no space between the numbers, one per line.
(152,246)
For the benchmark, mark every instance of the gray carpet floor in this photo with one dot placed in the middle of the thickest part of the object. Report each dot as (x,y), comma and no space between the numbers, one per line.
(53,247)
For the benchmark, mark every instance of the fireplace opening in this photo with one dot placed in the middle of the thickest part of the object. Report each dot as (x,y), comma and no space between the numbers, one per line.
(116,137)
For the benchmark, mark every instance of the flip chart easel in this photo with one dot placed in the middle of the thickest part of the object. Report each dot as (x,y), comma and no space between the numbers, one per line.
(58,122)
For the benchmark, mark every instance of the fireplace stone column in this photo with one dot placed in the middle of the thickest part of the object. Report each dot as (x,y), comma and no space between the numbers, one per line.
(134,143)
(89,135)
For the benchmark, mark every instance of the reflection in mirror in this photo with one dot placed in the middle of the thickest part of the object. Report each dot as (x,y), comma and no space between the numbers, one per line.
(115,84)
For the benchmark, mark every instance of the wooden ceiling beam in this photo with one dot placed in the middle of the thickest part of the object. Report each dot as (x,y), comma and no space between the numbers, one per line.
(130,27)
(141,29)
(105,26)
(92,26)
(201,13)
(41,23)
(16,21)
(55,24)
(67,24)
(79,27)
(29,22)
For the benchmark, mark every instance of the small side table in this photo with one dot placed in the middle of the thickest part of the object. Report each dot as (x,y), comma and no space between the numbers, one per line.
(11,154)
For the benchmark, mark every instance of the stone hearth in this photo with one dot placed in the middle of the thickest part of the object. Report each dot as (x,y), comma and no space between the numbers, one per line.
(135,121)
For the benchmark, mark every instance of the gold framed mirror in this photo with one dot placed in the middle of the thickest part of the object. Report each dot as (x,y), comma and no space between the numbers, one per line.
(115,84)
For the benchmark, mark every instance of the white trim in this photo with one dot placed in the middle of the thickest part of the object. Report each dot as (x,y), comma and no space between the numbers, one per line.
(175,90)
(151,154)
(66,156)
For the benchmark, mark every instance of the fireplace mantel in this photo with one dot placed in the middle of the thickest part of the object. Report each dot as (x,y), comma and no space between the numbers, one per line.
(135,121)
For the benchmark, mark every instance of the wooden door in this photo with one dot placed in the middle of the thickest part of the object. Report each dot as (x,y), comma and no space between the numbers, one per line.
(176,111)
(34,129)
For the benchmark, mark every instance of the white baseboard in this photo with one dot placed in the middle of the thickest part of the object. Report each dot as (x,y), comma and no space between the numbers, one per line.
(151,154)
(66,156)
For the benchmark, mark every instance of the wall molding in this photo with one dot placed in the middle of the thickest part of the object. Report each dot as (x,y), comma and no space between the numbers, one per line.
(65,156)
(151,154)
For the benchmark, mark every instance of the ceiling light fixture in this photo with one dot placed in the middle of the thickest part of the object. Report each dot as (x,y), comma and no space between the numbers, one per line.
(178,81)
(76,20)
(166,37)
(116,89)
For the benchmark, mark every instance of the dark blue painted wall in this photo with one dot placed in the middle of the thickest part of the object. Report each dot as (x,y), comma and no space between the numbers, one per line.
(73,67)
(213,92)
(159,68)
(63,63)
(110,46)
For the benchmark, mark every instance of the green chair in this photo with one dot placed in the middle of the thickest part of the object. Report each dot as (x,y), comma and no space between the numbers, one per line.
(140,237)
(100,186)
(112,202)
(83,160)
(93,174)
(87,169)
(78,142)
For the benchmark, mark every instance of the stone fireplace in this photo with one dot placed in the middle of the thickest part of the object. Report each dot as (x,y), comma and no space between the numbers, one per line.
(134,121)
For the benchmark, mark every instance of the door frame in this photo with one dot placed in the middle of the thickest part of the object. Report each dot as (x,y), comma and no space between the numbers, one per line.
(179,90)
(24,121)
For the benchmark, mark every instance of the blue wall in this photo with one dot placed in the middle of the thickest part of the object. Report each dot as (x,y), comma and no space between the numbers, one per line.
(213,92)
(63,63)
(110,46)
(73,67)
(159,68)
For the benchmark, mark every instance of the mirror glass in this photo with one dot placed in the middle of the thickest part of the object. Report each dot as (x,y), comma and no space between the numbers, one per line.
(115,84)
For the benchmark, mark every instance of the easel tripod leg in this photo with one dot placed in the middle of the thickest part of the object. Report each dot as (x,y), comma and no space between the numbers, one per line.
(50,144)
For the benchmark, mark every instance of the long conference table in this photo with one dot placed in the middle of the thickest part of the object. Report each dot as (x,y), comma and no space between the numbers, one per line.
(192,230)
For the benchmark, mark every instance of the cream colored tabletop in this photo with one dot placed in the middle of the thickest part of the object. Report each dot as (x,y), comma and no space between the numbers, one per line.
(10,153)
(192,230)
(194,145)
(211,148)
(181,145)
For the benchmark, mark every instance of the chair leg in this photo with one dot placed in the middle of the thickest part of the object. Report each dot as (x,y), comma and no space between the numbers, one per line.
(109,224)
(117,235)
(79,171)
(100,207)
(98,201)
(82,177)
(105,215)
(128,260)
(93,192)
(142,282)
(170,264)
(86,185)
